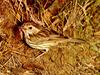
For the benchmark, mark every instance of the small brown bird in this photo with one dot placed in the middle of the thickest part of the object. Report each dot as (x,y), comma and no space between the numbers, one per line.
(40,38)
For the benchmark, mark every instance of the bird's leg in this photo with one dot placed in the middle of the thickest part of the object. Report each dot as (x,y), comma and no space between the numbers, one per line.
(46,50)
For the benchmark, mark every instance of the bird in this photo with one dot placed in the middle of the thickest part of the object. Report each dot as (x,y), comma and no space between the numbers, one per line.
(40,38)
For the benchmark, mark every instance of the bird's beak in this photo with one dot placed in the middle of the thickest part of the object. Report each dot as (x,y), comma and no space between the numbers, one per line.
(21,33)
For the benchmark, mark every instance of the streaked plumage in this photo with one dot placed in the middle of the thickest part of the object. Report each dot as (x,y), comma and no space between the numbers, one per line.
(40,38)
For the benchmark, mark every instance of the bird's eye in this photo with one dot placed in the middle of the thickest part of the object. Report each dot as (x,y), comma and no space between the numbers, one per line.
(30,27)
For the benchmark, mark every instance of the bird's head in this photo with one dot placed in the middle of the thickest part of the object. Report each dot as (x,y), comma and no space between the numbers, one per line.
(30,28)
